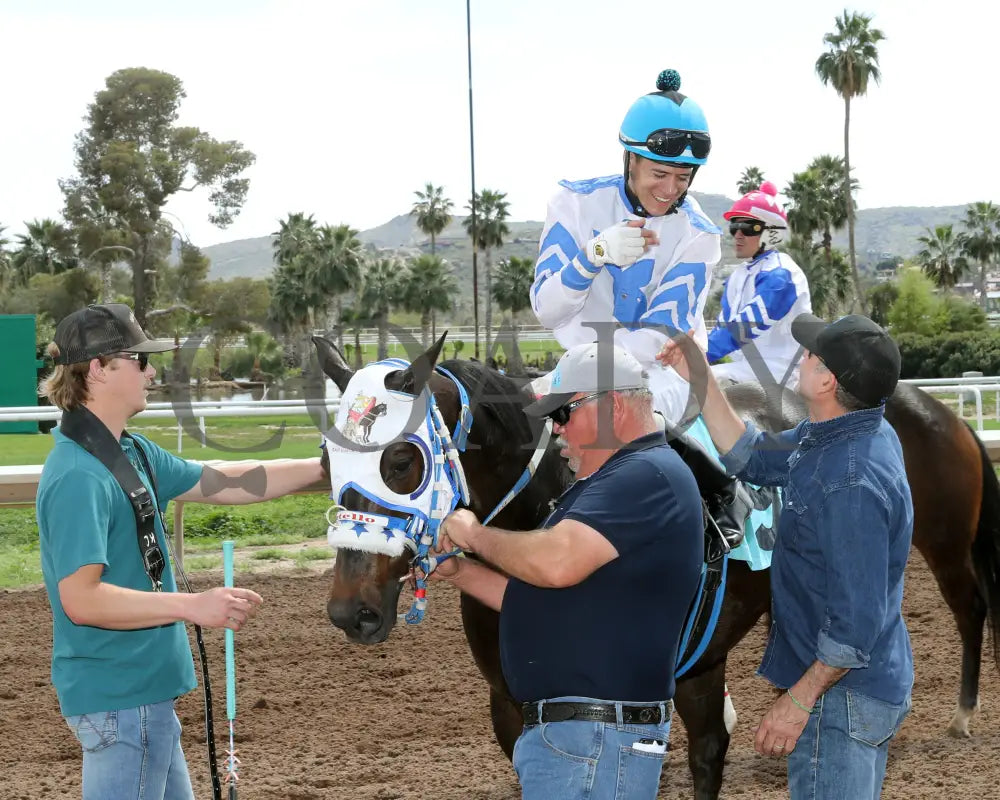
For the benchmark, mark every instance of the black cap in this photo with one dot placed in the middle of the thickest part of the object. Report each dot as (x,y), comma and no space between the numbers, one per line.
(861,355)
(100,330)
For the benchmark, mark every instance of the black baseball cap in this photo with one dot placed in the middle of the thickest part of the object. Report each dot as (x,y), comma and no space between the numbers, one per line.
(861,355)
(99,330)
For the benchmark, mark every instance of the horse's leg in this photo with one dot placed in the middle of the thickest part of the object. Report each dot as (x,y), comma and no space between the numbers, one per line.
(958,586)
(943,533)
(507,721)
(699,701)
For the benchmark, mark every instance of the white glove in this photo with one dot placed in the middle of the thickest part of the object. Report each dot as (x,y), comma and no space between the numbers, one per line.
(621,245)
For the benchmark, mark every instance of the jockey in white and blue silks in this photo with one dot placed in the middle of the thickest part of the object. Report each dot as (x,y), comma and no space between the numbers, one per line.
(596,265)
(633,251)
(761,297)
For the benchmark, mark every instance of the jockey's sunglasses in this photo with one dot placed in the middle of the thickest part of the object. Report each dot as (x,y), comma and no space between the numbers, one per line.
(748,227)
(671,143)
(560,416)
(142,358)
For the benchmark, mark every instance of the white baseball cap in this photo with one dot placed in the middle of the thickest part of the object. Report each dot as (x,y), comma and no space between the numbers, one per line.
(591,367)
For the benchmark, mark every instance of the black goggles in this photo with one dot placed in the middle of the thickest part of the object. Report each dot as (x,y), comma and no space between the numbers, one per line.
(142,358)
(560,416)
(671,143)
(748,227)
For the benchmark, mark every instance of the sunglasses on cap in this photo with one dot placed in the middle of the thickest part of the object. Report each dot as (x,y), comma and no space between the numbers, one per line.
(671,143)
(748,227)
(141,358)
(560,416)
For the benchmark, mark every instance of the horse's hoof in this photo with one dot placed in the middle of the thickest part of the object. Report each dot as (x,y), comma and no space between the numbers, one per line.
(959,732)
(959,727)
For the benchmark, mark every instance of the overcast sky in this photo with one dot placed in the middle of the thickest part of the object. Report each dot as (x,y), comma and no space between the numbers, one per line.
(351,106)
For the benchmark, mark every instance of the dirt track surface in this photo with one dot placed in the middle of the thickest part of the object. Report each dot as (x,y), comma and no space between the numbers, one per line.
(318,717)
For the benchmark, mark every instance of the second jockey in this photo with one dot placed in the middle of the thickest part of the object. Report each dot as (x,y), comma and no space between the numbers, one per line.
(761,297)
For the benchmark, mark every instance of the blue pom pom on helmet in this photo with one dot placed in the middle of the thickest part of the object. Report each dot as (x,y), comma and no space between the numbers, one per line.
(666,125)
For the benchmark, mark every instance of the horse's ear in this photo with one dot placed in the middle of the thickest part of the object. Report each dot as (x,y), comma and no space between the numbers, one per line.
(332,363)
(415,377)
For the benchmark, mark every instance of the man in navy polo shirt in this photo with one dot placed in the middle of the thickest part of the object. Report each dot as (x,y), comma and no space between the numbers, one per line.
(592,604)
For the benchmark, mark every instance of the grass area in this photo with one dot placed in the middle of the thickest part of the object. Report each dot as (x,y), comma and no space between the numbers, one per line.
(287,520)
(228,439)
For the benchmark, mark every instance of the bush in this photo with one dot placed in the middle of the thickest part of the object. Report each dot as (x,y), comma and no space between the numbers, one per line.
(948,355)
(225,524)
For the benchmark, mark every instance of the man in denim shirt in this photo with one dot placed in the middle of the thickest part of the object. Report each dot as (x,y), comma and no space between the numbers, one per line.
(838,644)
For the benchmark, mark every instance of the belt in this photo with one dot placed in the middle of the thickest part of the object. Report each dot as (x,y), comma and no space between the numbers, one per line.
(593,712)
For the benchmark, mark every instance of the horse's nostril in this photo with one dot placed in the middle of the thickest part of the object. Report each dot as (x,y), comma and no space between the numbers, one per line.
(368,620)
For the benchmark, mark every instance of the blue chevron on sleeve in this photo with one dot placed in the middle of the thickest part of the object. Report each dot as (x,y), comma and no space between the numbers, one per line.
(563,243)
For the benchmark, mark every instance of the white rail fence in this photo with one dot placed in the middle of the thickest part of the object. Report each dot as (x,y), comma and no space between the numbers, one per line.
(200,411)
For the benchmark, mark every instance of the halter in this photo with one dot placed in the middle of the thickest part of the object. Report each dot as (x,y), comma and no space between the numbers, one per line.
(416,518)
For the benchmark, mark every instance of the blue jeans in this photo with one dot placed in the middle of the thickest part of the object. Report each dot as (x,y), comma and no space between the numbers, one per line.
(843,749)
(578,760)
(133,754)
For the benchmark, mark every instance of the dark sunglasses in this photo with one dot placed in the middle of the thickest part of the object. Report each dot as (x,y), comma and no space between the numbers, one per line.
(671,143)
(142,358)
(748,227)
(560,416)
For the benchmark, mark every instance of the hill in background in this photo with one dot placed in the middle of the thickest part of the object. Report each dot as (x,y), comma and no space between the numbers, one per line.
(879,232)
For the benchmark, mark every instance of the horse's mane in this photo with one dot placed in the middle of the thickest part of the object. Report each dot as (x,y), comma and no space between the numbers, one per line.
(774,413)
(499,397)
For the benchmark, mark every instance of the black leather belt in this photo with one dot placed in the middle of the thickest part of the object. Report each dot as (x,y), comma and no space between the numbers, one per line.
(593,712)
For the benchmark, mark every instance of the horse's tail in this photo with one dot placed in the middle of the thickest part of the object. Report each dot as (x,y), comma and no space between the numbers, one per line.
(986,546)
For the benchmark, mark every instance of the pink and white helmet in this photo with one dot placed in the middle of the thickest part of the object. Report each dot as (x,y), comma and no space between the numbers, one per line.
(763,204)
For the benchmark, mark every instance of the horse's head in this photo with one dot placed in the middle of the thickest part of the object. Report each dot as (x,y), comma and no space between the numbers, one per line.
(379,466)
(383,483)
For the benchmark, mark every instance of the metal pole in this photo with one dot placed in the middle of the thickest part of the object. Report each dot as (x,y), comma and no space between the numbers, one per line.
(472,163)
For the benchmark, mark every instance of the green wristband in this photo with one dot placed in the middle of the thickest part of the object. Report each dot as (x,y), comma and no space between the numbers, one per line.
(804,708)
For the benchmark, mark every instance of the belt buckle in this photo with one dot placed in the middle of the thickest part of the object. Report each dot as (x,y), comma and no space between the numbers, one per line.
(649,715)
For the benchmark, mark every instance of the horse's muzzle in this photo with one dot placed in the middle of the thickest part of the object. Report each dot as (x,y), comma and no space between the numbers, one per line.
(362,623)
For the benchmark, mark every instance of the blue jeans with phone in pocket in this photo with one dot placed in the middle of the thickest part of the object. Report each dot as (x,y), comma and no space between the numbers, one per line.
(579,760)
(133,753)
(843,750)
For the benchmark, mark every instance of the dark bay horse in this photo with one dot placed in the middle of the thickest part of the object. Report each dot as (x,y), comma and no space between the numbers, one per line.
(956,500)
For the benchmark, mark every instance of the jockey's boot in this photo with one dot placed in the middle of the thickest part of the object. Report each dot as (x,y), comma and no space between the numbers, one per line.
(727,500)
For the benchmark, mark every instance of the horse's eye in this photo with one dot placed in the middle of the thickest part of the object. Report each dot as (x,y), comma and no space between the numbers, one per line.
(401,467)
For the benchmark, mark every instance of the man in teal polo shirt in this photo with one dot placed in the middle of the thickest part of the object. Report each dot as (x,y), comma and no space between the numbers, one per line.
(120,650)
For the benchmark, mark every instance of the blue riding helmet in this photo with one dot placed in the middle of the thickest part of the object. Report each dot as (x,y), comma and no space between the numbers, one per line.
(666,125)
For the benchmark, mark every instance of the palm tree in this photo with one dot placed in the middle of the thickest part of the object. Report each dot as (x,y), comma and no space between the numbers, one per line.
(849,63)
(290,309)
(980,241)
(47,247)
(750,181)
(294,235)
(818,201)
(354,319)
(261,349)
(432,210)
(829,277)
(335,268)
(6,270)
(512,291)
(429,287)
(382,290)
(941,256)
(491,228)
